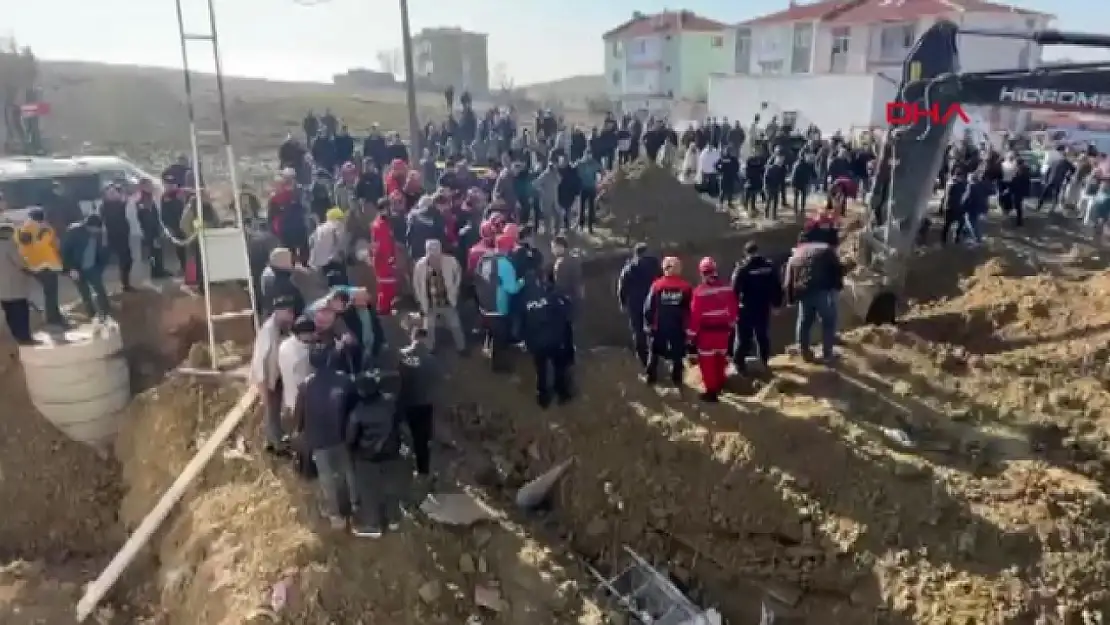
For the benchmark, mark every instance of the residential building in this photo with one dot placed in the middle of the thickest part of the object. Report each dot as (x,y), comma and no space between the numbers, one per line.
(452,57)
(851,52)
(362,78)
(653,62)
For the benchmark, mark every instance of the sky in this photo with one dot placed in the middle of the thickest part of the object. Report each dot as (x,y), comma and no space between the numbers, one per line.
(531,40)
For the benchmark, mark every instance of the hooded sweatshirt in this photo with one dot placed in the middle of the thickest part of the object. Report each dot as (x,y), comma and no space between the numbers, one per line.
(323,403)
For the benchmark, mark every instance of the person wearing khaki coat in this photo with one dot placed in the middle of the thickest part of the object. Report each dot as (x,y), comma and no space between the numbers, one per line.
(435,283)
(15,287)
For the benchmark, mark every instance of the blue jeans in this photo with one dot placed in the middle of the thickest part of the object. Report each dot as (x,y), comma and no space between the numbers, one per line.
(90,284)
(971,222)
(823,305)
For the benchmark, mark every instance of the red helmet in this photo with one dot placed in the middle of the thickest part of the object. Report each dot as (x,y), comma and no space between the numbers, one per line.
(707,267)
(505,243)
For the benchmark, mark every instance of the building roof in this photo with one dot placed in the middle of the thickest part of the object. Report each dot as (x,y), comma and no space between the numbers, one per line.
(868,11)
(668,21)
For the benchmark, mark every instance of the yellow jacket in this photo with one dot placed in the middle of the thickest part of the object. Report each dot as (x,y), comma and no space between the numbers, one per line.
(38,245)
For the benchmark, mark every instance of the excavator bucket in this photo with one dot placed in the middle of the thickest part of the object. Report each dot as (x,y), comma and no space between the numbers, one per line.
(905,176)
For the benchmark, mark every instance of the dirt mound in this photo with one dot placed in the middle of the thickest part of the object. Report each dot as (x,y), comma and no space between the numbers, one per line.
(953,469)
(249,533)
(647,203)
(62,499)
(37,592)
(59,497)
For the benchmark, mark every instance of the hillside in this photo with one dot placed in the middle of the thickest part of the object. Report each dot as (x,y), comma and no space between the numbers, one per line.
(571,91)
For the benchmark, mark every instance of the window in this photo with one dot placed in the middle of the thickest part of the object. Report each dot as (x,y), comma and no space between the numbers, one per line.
(771,67)
(743,55)
(617,49)
(26,192)
(802,53)
(715,42)
(841,39)
(616,77)
(803,35)
(895,41)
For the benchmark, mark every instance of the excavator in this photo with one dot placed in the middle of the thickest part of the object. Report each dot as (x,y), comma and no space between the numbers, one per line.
(911,154)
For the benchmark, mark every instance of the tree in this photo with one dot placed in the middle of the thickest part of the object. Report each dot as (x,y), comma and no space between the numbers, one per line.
(391,62)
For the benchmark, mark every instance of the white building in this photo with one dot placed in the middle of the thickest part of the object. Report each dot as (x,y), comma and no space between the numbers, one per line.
(836,63)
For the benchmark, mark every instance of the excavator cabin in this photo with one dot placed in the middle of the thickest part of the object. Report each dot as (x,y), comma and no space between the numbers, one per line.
(911,154)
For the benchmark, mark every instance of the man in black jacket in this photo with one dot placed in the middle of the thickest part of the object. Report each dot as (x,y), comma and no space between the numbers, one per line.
(758,288)
(728,169)
(117,229)
(547,335)
(362,321)
(633,286)
(374,440)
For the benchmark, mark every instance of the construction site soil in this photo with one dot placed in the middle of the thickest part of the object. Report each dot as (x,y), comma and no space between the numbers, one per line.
(952,469)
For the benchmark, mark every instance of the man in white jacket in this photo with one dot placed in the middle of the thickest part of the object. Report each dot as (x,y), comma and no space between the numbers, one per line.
(435,280)
(265,372)
(293,365)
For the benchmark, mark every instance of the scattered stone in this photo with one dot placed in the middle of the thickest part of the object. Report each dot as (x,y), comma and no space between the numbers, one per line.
(430,591)
(489,597)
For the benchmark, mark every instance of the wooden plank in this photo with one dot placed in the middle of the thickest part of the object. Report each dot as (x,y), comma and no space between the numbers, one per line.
(96,591)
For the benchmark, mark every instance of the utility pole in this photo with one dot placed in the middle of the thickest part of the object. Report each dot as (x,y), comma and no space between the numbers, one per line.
(410,84)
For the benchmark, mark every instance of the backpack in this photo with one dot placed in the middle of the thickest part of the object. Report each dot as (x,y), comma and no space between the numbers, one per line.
(487,281)
(379,436)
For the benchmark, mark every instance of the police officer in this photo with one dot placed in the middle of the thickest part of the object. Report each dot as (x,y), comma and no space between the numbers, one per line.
(758,287)
(547,335)
(632,290)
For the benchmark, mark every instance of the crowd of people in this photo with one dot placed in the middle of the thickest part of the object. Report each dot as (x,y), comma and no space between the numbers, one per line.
(451,238)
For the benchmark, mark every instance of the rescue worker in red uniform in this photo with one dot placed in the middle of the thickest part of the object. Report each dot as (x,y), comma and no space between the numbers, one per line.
(383,259)
(666,317)
(713,312)
(395,176)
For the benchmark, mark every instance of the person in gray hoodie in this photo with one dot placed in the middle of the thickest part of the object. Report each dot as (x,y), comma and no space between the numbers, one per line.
(14,287)
(425,222)
(546,185)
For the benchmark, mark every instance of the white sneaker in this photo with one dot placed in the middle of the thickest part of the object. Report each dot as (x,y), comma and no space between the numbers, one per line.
(367,532)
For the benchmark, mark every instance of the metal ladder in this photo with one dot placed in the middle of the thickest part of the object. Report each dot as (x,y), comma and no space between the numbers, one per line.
(206,239)
(647,596)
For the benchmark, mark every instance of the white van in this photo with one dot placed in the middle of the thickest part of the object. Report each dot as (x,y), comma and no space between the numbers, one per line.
(27,181)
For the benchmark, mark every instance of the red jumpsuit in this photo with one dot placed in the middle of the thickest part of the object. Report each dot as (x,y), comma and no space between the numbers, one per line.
(383,258)
(713,312)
